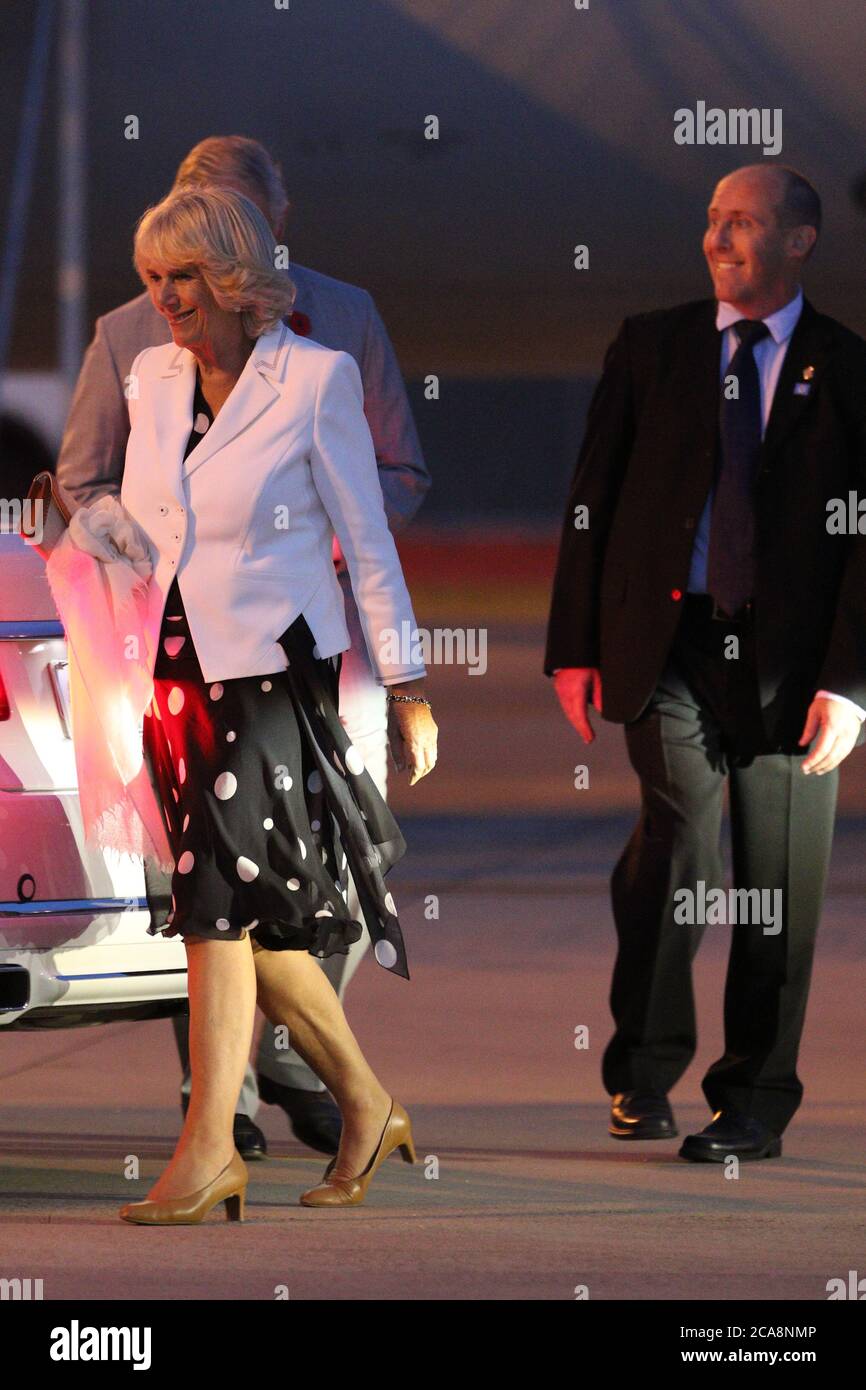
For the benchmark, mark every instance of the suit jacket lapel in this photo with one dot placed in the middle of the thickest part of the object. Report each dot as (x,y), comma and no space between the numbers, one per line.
(695,387)
(702,360)
(803,365)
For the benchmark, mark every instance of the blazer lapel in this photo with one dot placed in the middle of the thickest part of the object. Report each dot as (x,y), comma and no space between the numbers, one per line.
(702,360)
(802,368)
(173,414)
(253,393)
(695,388)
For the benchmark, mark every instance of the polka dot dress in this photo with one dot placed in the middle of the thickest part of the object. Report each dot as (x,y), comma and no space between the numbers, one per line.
(267,803)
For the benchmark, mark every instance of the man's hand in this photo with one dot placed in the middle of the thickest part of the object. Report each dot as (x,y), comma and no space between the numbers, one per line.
(837,728)
(577,687)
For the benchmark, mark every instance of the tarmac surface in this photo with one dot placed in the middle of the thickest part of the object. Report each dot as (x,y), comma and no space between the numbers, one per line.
(519,1193)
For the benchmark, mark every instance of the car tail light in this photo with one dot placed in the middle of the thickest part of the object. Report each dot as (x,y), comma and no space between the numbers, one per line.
(4,702)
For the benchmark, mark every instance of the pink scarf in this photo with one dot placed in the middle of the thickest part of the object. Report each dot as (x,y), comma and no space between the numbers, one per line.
(101,606)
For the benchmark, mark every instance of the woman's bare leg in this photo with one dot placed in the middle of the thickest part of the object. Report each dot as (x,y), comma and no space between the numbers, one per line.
(293,990)
(222,1000)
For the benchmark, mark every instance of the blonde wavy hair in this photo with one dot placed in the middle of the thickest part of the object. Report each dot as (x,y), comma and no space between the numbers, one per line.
(227,238)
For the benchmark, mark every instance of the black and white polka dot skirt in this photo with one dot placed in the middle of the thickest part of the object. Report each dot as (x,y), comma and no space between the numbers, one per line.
(268,804)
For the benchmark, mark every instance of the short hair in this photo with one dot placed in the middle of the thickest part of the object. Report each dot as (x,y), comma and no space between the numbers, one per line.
(228,239)
(800,203)
(222,159)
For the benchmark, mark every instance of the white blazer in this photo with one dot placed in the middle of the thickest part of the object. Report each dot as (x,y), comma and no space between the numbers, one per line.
(246,522)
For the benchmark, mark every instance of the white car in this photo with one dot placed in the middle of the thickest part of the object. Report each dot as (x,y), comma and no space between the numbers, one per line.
(74,947)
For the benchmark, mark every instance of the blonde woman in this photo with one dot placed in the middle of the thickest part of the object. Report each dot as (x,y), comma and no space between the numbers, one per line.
(248,451)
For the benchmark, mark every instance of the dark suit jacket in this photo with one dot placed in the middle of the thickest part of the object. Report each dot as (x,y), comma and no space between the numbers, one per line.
(644,471)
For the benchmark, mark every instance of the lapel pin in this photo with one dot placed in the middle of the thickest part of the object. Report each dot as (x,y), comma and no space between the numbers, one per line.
(803,387)
(300,323)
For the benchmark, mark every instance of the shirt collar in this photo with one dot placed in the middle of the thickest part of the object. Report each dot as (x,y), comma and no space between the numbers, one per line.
(781,324)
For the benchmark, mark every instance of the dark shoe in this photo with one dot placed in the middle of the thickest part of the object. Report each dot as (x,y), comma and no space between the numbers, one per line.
(314,1117)
(641,1115)
(249,1140)
(730,1134)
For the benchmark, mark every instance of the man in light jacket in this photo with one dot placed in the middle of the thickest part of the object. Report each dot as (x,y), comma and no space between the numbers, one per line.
(339,316)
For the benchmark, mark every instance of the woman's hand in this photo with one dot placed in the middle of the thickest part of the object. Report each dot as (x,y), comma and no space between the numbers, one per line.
(412,732)
(105,530)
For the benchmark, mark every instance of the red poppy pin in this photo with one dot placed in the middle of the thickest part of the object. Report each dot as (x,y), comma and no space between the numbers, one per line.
(300,324)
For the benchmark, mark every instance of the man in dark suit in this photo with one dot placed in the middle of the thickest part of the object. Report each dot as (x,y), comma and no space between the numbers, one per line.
(705,599)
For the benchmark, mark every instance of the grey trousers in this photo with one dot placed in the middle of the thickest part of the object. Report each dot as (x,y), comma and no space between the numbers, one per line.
(363,712)
(702,728)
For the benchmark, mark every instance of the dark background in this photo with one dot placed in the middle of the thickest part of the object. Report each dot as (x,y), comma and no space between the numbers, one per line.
(556,128)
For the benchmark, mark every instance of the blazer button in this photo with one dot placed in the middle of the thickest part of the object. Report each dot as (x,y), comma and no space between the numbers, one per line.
(676,595)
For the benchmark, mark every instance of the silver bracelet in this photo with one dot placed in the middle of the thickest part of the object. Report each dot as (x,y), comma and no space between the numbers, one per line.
(409,699)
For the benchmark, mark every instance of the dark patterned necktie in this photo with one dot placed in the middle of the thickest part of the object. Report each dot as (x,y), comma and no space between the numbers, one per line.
(731,558)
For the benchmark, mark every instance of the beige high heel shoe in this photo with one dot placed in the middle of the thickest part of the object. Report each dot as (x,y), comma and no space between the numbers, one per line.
(229,1186)
(350,1192)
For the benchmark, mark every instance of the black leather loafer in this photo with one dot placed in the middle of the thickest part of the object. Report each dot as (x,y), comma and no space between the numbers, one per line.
(730,1134)
(249,1140)
(314,1117)
(641,1115)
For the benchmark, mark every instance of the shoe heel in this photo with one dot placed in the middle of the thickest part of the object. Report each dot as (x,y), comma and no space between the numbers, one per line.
(407,1150)
(235,1206)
